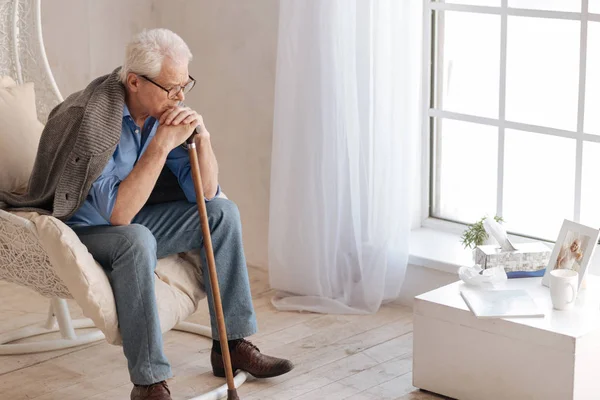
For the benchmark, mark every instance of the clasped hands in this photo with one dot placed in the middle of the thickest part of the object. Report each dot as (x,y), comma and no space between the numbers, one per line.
(178,123)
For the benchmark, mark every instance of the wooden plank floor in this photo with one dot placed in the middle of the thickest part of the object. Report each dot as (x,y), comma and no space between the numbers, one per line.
(336,357)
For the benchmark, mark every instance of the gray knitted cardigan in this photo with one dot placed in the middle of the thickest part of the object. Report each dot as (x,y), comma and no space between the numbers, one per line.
(77,142)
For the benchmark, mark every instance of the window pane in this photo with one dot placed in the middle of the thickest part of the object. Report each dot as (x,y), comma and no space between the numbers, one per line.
(590,185)
(554,5)
(542,72)
(467,170)
(470,79)
(592,80)
(594,6)
(539,176)
(493,3)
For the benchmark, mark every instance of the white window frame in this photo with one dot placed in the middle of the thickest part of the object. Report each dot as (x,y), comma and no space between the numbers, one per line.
(429,113)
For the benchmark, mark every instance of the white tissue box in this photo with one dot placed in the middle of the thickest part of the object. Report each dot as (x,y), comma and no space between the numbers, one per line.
(531,258)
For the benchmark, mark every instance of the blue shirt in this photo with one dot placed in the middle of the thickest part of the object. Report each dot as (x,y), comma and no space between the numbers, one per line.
(100,201)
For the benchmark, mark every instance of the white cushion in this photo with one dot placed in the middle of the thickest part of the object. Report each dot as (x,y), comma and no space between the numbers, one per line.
(178,287)
(20,132)
(7,81)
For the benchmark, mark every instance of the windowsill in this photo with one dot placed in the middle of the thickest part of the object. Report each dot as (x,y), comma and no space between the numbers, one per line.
(439,250)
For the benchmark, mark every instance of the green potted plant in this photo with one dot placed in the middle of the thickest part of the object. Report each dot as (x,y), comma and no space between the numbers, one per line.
(475,235)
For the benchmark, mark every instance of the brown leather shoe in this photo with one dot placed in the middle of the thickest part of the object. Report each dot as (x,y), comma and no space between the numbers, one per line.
(247,357)
(157,391)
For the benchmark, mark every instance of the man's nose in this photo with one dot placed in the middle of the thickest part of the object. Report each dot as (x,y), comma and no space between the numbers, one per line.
(181,96)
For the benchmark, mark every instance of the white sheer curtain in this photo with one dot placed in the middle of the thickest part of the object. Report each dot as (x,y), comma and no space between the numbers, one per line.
(345,146)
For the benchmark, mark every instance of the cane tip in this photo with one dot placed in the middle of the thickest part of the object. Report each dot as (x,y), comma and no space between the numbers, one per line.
(232,395)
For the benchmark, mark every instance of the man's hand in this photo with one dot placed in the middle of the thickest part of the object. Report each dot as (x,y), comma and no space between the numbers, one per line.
(178,117)
(184,115)
(171,136)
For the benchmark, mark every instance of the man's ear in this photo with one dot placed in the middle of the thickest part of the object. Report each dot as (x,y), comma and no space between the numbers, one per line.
(133,82)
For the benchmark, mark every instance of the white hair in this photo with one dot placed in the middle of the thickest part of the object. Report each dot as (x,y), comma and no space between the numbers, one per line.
(148,49)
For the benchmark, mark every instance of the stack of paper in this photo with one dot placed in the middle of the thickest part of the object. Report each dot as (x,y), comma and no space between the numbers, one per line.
(514,303)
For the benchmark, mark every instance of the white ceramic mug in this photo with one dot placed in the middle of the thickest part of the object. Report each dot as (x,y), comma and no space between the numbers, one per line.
(563,288)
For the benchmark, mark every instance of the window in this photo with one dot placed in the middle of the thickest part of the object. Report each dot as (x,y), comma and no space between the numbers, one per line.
(513,112)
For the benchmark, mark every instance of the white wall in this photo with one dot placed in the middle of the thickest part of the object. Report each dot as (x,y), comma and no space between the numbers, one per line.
(234,46)
(86,38)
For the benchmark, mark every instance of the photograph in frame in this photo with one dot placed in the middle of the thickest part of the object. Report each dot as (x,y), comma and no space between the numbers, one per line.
(573,250)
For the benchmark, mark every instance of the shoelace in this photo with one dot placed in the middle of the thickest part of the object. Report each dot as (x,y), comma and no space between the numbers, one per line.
(164,383)
(151,387)
(249,343)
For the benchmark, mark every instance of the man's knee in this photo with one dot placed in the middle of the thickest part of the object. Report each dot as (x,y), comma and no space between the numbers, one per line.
(139,239)
(224,211)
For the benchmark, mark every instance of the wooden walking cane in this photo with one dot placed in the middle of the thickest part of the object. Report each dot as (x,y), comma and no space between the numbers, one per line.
(212,270)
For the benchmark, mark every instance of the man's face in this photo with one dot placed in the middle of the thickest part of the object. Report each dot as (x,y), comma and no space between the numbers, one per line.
(155,100)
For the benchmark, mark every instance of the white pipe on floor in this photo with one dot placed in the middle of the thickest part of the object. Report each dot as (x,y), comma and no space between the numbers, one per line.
(47,345)
(221,391)
(197,329)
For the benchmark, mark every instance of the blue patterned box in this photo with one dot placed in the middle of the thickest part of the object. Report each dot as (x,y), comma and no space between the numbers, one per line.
(530,259)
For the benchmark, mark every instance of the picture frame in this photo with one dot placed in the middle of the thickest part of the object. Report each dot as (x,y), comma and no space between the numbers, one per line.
(573,250)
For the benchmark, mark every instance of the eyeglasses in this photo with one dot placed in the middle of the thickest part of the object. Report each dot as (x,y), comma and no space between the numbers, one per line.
(174,91)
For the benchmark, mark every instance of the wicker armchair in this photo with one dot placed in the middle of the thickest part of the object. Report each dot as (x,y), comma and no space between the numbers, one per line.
(33,247)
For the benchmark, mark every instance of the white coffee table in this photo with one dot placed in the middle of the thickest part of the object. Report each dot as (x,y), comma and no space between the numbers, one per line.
(551,358)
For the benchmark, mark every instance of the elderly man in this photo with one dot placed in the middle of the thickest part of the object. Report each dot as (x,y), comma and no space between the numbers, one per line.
(101,155)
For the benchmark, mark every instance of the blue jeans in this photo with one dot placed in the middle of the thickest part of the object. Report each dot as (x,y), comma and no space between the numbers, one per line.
(129,254)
